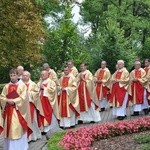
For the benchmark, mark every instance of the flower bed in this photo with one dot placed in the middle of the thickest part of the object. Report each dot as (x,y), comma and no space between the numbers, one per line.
(82,138)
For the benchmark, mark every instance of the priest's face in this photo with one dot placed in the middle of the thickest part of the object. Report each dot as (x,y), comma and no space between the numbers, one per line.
(44,75)
(147,63)
(137,65)
(120,65)
(83,67)
(13,78)
(70,64)
(25,77)
(66,71)
(103,65)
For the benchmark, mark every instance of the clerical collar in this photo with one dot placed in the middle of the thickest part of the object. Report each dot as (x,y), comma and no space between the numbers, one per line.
(120,70)
(103,68)
(67,75)
(14,83)
(137,69)
(45,81)
(27,82)
(84,71)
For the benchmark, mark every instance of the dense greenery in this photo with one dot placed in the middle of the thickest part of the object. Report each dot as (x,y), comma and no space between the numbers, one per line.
(63,41)
(119,30)
(21,29)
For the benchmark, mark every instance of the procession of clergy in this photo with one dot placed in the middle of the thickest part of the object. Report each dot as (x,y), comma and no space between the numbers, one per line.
(29,109)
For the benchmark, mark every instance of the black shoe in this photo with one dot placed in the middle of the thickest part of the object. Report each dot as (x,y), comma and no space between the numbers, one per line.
(136,113)
(149,109)
(66,128)
(80,122)
(120,117)
(102,109)
(146,111)
(72,127)
(92,122)
(44,133)
(111,107)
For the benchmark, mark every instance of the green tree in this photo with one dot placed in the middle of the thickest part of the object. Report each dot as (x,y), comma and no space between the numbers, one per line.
(21,28)
(63,41)
(120,29)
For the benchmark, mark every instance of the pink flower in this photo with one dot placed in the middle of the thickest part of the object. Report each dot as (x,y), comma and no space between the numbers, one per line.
(82,138)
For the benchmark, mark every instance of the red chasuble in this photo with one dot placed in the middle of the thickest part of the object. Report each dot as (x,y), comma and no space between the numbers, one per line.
(83,95)
(148,93)
(32,107)
(47,109)
(100,86)
(63,99)
(12,94)
(118,93)
(137,88)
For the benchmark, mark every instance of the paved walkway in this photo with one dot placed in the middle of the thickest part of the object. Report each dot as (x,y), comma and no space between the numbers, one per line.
(106,116)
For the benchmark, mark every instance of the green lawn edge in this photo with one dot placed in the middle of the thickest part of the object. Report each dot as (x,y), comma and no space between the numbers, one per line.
(53,142)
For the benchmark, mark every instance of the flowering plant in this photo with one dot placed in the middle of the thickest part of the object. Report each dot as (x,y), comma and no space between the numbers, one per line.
(83,137)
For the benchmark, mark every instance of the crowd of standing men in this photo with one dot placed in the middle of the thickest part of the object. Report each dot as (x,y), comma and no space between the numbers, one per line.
(29,109)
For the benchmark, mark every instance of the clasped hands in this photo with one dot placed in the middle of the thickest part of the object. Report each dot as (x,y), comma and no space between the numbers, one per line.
(115,81)
(135,80)
(41,87)
(82,78)
(98,81)
(10,101)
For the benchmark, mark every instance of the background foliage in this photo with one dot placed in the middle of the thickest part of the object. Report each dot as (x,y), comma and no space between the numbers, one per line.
(119,30)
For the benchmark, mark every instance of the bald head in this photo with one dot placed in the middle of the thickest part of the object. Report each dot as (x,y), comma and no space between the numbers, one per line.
(103,64)
(44,75)
(26,76)
(120,64)
(20,70)
(137,65)
(46,66)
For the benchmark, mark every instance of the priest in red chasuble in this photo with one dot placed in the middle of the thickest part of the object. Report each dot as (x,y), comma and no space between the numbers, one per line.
(32,97)
(136,89)
(119,95)
(147,70)
(101,89)
(68,99)
(89,107)
(14,110)
(72,69)
(51,72)
(48,103)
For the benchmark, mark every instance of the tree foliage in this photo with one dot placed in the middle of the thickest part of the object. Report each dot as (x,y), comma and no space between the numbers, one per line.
(120,29)
(63,41)
(21,28)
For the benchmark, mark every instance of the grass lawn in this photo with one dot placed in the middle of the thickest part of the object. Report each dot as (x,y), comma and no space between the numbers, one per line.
(144,141)
(54,140)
